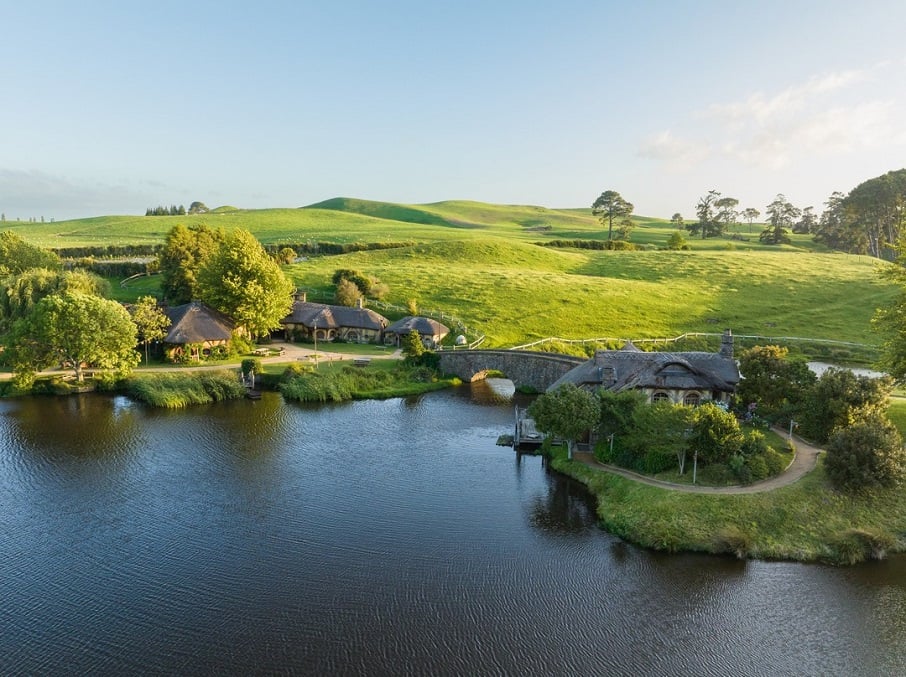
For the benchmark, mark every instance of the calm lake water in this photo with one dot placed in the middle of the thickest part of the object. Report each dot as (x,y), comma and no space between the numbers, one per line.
(380,538)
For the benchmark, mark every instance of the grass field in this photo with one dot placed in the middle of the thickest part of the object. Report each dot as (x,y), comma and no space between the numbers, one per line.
(482,263)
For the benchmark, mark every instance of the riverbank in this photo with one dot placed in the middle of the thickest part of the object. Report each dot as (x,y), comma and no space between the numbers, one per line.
(807,521)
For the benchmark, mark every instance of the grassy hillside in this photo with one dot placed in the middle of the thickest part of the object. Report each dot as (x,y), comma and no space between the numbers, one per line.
(482,263)
(518,292)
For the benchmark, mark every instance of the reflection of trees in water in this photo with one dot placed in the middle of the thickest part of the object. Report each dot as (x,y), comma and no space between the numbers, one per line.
(566,508)
(76,425)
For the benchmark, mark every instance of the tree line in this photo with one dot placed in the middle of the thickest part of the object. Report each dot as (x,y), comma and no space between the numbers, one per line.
(868,219)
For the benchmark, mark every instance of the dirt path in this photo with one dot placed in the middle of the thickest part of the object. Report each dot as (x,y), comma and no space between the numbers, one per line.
(292,352)
(803,463)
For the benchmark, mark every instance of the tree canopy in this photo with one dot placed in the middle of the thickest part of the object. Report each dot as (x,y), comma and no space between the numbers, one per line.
(240,280)
(151,323)
(185,250)
(610,205)
(841,398)
(75,329)
(567,412)
(17,255)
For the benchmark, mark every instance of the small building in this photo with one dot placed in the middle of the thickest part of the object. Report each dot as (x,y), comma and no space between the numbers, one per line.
(431,331)
(682,378)
(195,330)
(310,321)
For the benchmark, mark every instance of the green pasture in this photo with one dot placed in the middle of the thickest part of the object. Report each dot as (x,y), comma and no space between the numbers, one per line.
(483,264)
(516,292)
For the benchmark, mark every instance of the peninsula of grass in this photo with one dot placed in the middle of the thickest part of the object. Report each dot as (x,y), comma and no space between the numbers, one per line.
(338,383)
(807,521)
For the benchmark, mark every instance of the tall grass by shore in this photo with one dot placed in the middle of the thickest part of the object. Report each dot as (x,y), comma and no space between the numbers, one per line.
(349,383)
(176,390)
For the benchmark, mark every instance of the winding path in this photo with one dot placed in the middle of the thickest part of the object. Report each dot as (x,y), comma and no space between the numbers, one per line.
(803,463)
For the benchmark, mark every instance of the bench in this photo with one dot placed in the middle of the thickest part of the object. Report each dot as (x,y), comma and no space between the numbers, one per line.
(362,361)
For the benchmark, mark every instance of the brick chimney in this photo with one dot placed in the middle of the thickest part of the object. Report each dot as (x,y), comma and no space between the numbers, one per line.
(726,344)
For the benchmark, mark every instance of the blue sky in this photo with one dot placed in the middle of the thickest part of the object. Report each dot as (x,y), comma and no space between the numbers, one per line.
(112,107)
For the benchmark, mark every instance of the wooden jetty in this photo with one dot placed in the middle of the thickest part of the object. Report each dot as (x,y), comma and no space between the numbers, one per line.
(526,436)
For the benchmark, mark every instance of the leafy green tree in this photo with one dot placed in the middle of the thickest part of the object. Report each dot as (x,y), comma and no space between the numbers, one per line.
(841,398)
(781,217)
(347,293)
(715,435)
(865,454)
(241,281)
(610,206)
(17,256)
(874,212)
(151,322)
(890,321)
(618,410)
(677,220)
(658,438)
(184,252)
(776,384)
(75,329)
(568,412)
(198,208)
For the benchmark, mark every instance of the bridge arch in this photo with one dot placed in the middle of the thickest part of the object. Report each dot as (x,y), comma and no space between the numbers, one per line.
(526,369)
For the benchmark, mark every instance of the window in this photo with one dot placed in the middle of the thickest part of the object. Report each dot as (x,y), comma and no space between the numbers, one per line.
(660,396)
(692,399)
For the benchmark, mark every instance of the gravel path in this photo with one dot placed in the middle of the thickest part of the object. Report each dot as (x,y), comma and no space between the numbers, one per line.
(804,462)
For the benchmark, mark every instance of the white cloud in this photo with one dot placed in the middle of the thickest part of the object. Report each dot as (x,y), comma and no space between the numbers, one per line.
(821,117)
(674,151)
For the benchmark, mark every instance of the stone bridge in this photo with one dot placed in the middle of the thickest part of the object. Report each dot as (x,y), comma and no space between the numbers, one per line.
(524,368)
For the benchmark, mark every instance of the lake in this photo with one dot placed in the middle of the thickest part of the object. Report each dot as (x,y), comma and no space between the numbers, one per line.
(380,538)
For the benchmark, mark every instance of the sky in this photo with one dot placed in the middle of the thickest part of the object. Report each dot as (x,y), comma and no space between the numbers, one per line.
(111,107)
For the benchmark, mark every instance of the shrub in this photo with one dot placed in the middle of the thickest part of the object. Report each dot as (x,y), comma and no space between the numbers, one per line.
(758,467)
(865,454)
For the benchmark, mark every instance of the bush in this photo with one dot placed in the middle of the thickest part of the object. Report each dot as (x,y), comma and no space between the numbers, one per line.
(866,454)
(732,540)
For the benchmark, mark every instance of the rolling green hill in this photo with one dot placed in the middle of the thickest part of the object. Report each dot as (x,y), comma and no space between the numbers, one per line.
(482,263)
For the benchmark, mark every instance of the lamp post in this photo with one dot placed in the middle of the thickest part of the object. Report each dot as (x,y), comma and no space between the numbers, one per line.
(793,424)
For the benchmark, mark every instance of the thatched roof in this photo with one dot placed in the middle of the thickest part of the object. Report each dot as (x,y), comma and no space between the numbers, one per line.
(196,323)
(423,325)
(323,316)
(631,368)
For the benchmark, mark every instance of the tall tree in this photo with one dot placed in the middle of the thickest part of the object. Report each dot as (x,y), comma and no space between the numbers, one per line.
(198,208)
(151,323)
(75,329)
(807,223)
(704,209)
(184,251)
(240,280)
(776,384)
(750,214)
(781,216)
(677,220)
(610,205)
(726,213)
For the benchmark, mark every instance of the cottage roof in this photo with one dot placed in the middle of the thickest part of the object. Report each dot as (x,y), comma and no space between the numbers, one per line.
(631,368)
(196,323)
(423,325)
(323,316)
